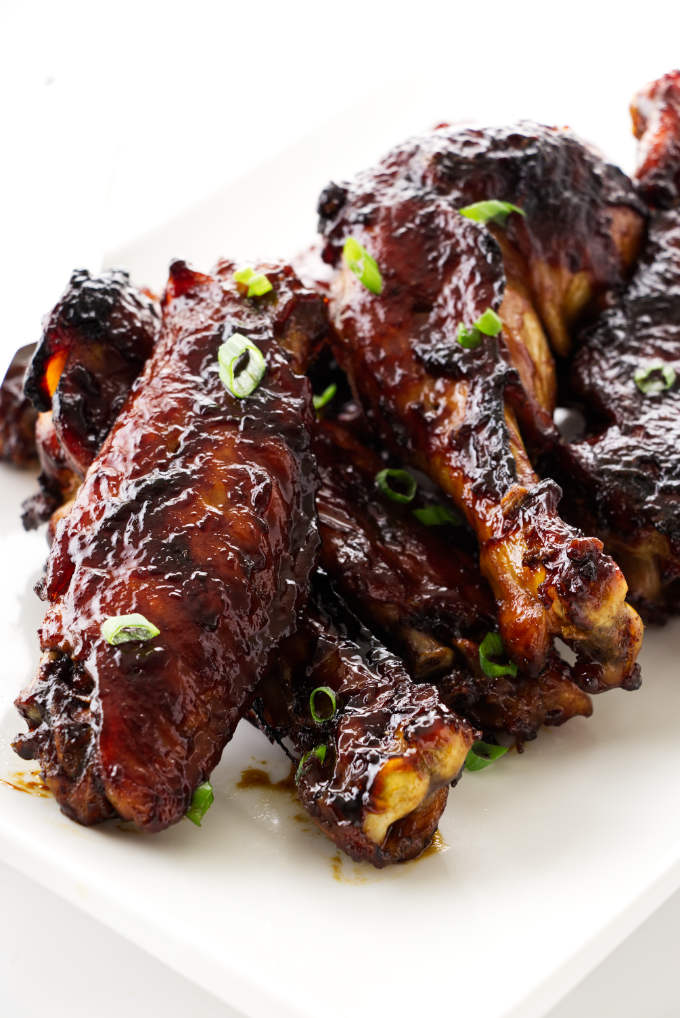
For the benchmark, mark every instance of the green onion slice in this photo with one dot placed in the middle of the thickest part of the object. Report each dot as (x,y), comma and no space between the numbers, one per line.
(437,516)
(326,708)
(242,365)
(491,211)
(482,754)
(654,378)
(489,323)
(258,284)
(469,339)
(492,645)
(385,479)
(325,397)
(362,265)
(319,752)
(127,628)
(202,800)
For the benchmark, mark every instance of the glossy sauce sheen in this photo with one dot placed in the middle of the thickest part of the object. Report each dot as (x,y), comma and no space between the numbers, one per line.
(454,412)
(625,474)
(421,590)
(383,722)
(199,513)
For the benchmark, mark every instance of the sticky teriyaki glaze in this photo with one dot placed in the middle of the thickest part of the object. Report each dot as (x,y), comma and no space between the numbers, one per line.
(198,513)
(460,413)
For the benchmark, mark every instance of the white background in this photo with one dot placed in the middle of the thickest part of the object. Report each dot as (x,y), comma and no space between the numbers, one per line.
(113,117)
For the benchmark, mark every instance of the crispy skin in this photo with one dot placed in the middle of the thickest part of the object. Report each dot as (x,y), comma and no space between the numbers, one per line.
(452,411)
(623,478)
(392,747)
(93,346)
(198,512)
(17,413)
(423,594)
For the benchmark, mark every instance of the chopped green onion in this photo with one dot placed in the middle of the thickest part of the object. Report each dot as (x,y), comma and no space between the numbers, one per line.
(402,477)
(242,365)
(492,211)
(482,754)
(656,377)
(126,628)
(489,323)
(202,800)
(437,516)
(319,752)
(492,645)
(257,283)
(326,693)
(469,339)
(362,265)
(325,397)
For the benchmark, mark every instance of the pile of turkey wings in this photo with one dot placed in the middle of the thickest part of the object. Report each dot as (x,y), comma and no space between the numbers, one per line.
(399,512)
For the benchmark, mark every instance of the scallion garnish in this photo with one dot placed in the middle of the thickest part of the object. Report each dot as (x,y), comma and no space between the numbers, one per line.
(364,267)
(322,704)
(127,628)
(488,324)
(482,754)
(437,516)
(654,378)
(202,800)
(491,211)
(242,365)
(492,646)
(319,752)
(469,339)
(386,479)
(325,397)
(258,284)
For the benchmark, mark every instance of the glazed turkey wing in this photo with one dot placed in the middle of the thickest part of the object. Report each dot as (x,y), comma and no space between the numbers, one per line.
(375,775)
(623,477)
(94,344)
(421,591)
(451,410)
(197,513)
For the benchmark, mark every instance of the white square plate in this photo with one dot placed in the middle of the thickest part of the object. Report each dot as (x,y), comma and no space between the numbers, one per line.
(550,858)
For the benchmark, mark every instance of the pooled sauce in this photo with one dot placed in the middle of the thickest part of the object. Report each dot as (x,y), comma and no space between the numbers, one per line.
(30,782)
(436,845)
(255,777)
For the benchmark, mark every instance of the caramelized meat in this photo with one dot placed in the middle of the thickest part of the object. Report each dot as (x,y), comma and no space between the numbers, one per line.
(198,513)
(623,478)
(453,411)
(421,591)
(93,346)
(17,414)
(656,123)
(375,775)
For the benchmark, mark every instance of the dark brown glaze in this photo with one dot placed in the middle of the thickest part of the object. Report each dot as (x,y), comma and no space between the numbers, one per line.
(623,479)
(198,512)
(452,412)
(392,747)
(656,124)
(93,346)
(422,592)
(17,413)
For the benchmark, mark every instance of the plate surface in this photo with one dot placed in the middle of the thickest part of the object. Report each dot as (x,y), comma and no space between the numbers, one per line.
(549,860)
